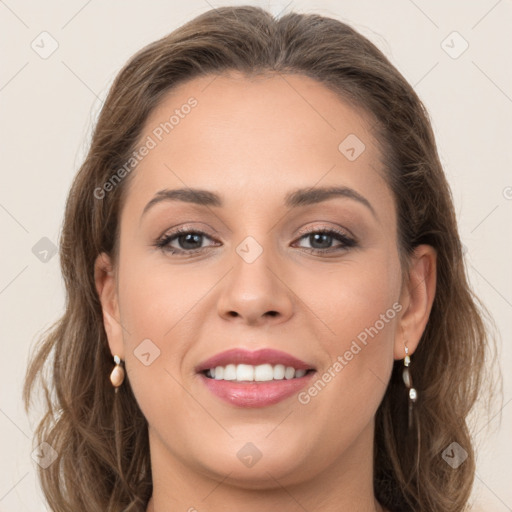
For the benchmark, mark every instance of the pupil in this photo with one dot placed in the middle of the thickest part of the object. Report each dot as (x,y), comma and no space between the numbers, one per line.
(323,238)
(191,238)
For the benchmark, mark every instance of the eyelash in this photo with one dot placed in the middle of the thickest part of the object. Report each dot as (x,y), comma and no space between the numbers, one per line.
(163,243)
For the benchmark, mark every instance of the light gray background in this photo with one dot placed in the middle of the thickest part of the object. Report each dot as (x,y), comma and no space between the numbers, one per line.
(48,106)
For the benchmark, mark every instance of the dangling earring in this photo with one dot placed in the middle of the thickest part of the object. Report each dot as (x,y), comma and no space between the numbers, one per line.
(413,394)
(117,375)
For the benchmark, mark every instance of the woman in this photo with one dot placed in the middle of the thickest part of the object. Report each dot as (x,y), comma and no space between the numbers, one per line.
(267,307)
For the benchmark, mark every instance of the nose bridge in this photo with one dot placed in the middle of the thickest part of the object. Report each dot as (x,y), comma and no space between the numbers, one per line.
(254,290)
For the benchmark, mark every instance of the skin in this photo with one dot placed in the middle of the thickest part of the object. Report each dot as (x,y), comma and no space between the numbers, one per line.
(252,141)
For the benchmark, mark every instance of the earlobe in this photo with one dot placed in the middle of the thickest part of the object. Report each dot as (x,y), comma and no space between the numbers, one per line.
(105,281)
(417,297)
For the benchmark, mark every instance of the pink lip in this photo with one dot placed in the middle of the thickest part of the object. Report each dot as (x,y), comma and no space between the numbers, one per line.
(262,356)
(254,394)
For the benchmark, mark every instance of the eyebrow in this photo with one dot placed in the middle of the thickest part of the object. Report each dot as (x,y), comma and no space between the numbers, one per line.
(294,199)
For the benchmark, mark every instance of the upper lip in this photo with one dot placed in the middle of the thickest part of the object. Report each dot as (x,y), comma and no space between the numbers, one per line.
(255,357)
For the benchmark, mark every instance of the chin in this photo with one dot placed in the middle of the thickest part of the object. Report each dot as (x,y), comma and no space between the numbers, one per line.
(268,472)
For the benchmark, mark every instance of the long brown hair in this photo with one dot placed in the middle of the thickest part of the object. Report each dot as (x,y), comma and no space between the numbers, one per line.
(100,436)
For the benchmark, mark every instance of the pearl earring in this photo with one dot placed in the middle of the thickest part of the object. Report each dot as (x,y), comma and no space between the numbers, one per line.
(117,375)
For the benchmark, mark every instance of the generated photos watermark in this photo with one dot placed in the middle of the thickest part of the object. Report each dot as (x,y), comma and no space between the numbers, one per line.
(343,360)
(150,143)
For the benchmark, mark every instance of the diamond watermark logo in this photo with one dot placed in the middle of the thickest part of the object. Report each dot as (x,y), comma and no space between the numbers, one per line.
(249,455)
(45,455)
(44,45)
(351,147)
(146,352)
(44,250)
(454,455)
(249,249)
(454,45)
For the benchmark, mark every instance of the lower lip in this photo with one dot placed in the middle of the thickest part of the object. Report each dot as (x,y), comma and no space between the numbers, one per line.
(255,394)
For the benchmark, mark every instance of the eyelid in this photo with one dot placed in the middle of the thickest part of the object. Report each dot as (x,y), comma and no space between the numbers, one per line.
(186,227)
(338,229)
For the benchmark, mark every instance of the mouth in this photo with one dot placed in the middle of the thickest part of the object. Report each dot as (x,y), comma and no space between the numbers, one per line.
(250,373)
(254,378)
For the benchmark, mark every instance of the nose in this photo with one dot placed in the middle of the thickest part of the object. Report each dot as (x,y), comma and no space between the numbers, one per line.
(256,293)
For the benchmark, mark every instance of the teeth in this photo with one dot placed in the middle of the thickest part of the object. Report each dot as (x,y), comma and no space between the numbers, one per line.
(279,371)
(230,372)
(260,373)
(263,372)
(244,372)
(289,373)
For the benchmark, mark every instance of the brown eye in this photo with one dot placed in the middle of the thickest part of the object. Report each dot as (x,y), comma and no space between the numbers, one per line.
(183,241)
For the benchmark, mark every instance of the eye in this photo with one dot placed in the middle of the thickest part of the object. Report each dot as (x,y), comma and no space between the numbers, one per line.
(183,241)
(321,241)
(188,242)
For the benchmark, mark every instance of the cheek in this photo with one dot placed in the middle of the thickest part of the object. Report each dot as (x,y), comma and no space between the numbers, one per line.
(352,298)
(154,297)
(153,304)
(359,310)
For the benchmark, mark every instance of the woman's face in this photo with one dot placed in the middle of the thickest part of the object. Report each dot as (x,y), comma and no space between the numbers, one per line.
(254,160)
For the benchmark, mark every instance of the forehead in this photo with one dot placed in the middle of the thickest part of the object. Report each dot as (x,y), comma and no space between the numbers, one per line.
(256,136)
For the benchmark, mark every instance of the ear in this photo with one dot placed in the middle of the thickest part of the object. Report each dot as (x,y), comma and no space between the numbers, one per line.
(416,298)
(105,280)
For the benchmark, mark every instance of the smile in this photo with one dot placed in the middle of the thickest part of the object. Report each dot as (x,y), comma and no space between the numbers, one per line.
(261,378)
